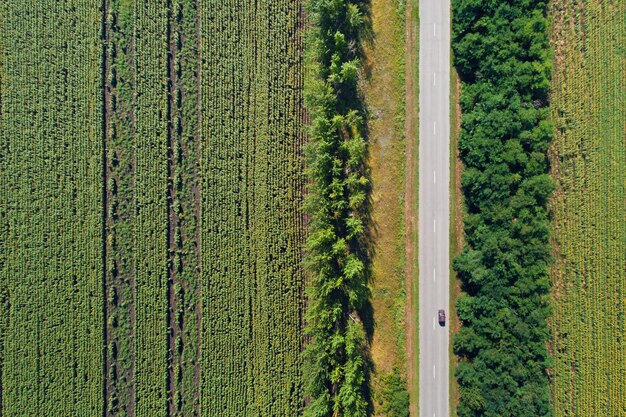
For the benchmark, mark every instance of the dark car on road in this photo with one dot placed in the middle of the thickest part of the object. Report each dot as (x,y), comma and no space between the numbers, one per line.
(442,317)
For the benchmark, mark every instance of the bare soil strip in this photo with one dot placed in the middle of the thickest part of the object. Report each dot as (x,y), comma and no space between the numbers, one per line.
(183,382)
(119,209)
(411,124)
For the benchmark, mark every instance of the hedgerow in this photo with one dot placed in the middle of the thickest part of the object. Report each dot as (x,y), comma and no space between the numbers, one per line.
(336,368)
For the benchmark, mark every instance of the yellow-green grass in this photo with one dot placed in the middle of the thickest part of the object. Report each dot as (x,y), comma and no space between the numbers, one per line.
(588,157)
(385,94)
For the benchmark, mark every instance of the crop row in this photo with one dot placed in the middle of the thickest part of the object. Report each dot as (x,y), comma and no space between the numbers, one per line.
(151,156)
(588,159)
(275,199)
(226,317)
(152,220)
(135,211)
(51,181)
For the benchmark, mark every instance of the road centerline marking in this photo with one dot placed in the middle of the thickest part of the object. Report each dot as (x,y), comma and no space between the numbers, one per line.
(433,249)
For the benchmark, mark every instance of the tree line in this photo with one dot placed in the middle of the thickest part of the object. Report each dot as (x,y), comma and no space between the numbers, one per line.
(336,358)
(502,54)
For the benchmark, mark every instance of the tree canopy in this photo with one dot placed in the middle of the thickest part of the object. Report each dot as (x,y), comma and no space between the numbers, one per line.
(502,54)
(337,365)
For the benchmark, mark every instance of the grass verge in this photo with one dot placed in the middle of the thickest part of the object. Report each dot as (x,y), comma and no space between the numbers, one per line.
(385,92)
(456,226)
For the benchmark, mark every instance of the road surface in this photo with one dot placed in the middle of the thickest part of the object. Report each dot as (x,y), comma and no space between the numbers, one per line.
(434,205)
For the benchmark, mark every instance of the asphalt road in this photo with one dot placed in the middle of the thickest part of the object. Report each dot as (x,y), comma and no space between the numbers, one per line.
(434,205)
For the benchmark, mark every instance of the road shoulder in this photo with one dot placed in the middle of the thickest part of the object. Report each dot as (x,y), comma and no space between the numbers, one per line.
(411,202)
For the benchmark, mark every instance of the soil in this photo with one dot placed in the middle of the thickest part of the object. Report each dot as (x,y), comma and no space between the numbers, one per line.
(184,192)
(120,278)
(411,203)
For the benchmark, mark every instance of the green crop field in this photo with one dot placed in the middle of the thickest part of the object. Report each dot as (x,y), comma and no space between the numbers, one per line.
(51,209)
(588,159)
(252,181)
(151,162)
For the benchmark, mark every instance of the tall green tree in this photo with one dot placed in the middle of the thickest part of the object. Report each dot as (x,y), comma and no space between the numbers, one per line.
(502,54)
(337,374)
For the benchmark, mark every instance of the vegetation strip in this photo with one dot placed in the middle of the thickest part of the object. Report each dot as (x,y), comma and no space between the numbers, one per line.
(135,207)
(275,216)
(456,227)
(119,205)
(115,115)
(339,327)
(184,210)
(151,226)
(502,54)
(384,95)
(4,220)
(411,203)
(252,182)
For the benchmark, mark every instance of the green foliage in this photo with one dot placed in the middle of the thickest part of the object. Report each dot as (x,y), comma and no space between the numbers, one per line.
(395,395)
(120,206)
(503,56)
(149,146)
(150,141)
(336,369)
(184,211)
